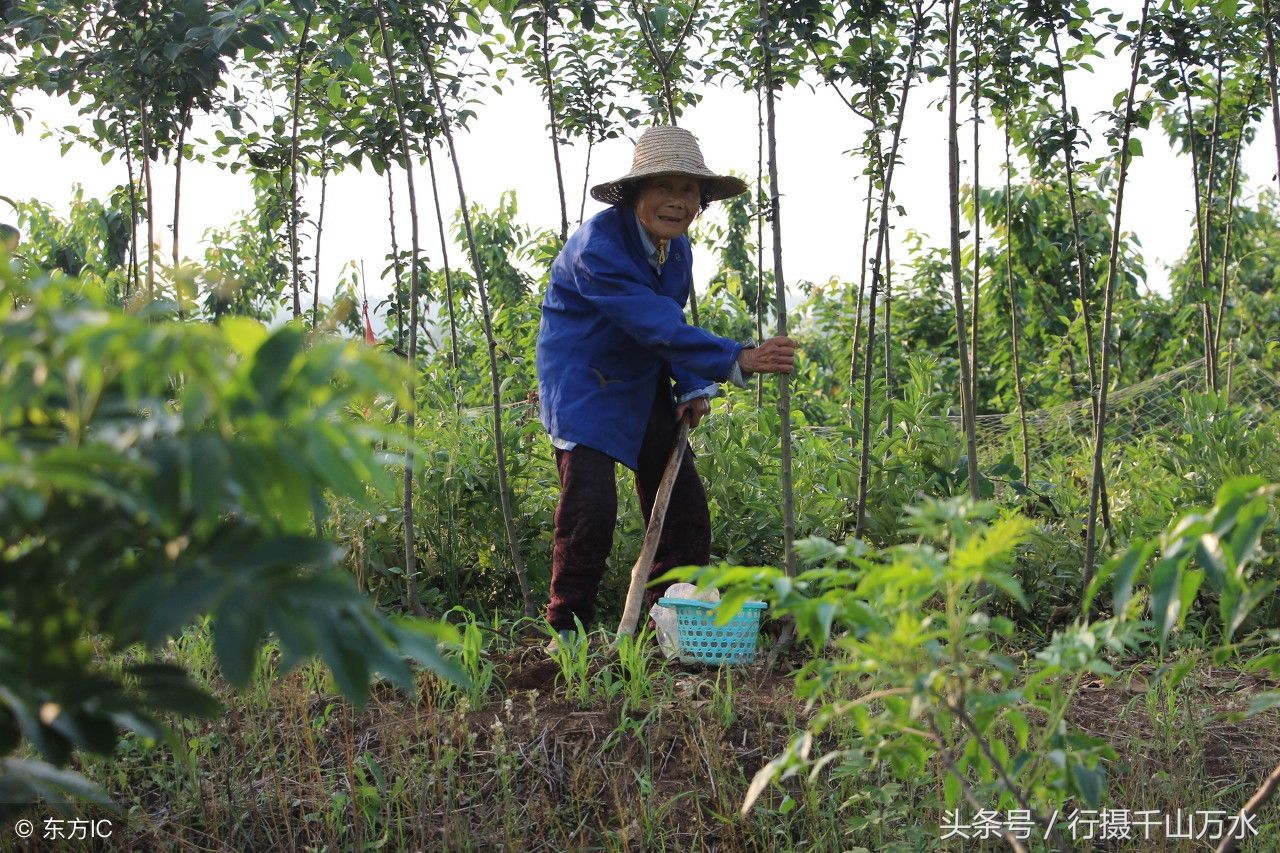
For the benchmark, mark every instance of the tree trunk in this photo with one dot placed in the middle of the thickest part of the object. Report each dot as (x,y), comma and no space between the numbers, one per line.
(448,278)
(862,287)
(953,146)
(780,296)
(1112,261)
(521,575)
(177,186)
(1202,225)
(151,219)
(876,168)
(293,165)
(1226,240)
(1083,268)
(890,382)
(671,103)
(410,551)
(586,179)
(759,307)
(396,269)
(663,64)
(1013,302)
(1271,77)
(1211,354)
(315,278)
(977,213)
(882,242)
(133,209)
(555,132)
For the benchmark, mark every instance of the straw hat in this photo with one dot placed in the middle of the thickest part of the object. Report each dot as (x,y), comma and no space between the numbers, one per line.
(665,150)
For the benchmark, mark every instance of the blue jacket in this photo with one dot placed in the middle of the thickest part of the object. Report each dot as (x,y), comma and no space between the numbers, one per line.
(612,327)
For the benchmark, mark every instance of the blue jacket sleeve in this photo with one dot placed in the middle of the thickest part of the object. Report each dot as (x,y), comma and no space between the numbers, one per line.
(690,385)
(654,321)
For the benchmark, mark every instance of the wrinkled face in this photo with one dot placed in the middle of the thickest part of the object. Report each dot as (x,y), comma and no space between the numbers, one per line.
(667,205)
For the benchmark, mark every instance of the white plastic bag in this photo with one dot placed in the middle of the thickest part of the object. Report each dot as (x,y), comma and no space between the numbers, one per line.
(665,617)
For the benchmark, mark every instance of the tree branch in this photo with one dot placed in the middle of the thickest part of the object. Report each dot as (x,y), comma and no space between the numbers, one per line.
(1257,801)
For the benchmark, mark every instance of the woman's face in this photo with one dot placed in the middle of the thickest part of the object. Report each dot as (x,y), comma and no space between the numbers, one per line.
(667,205)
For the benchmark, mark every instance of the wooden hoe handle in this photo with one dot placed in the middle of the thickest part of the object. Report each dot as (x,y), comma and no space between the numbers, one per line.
(640,571)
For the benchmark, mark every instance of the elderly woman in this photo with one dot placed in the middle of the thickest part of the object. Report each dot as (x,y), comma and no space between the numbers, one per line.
(613,340)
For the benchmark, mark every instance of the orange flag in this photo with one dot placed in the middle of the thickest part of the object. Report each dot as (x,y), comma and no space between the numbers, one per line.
(368,327)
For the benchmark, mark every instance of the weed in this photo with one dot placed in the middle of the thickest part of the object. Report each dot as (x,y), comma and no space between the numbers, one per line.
(473,660)
(573,657)
(628,672)
(722,698)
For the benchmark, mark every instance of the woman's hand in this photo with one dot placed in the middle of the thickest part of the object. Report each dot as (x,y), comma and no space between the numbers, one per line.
(696,409)
(776,355)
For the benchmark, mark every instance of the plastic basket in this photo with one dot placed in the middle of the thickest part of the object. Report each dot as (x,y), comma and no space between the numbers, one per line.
(700,640)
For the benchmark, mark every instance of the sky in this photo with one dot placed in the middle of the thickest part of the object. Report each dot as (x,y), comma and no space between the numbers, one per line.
(506,147)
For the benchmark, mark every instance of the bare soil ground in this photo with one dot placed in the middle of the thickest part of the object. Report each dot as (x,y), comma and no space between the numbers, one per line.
(527,769)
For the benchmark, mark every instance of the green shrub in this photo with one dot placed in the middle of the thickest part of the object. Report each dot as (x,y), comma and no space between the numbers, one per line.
(910,666)
(152,472)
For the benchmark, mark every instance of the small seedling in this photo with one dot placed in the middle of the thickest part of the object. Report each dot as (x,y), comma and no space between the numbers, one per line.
(572,654)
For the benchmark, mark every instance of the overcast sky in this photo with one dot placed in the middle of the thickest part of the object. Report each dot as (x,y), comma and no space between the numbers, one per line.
(506,147)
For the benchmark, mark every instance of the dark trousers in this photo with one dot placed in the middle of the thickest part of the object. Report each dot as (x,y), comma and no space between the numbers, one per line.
(588,512)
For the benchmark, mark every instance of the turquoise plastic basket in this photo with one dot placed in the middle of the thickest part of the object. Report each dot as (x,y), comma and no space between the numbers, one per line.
(700,640)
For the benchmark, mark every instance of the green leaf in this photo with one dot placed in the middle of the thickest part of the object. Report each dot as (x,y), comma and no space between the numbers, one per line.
(421,641)
(951,790)
(274,360)
(1133,559)
(341,651)
(262,553)
(158,608)
(1021,729)
(236,632)
(255,36)
(294,630)
(210,474)
(1007,584)
(1248,531)
(1190,585)
(1263,702)
(1089,783)
(166,687)
(1231,600)
(362,73)
(36,779)
(325,452)
(221,35)
(1165,595)
(1209,555)
(243,333)
(1236,492)
(1270,663)
(1246,603)
(1175,675)
(826,613)
(730,605)
(658,19)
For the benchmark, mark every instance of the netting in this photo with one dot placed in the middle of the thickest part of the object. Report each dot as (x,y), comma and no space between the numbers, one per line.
(1059,438)
(1152,407)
